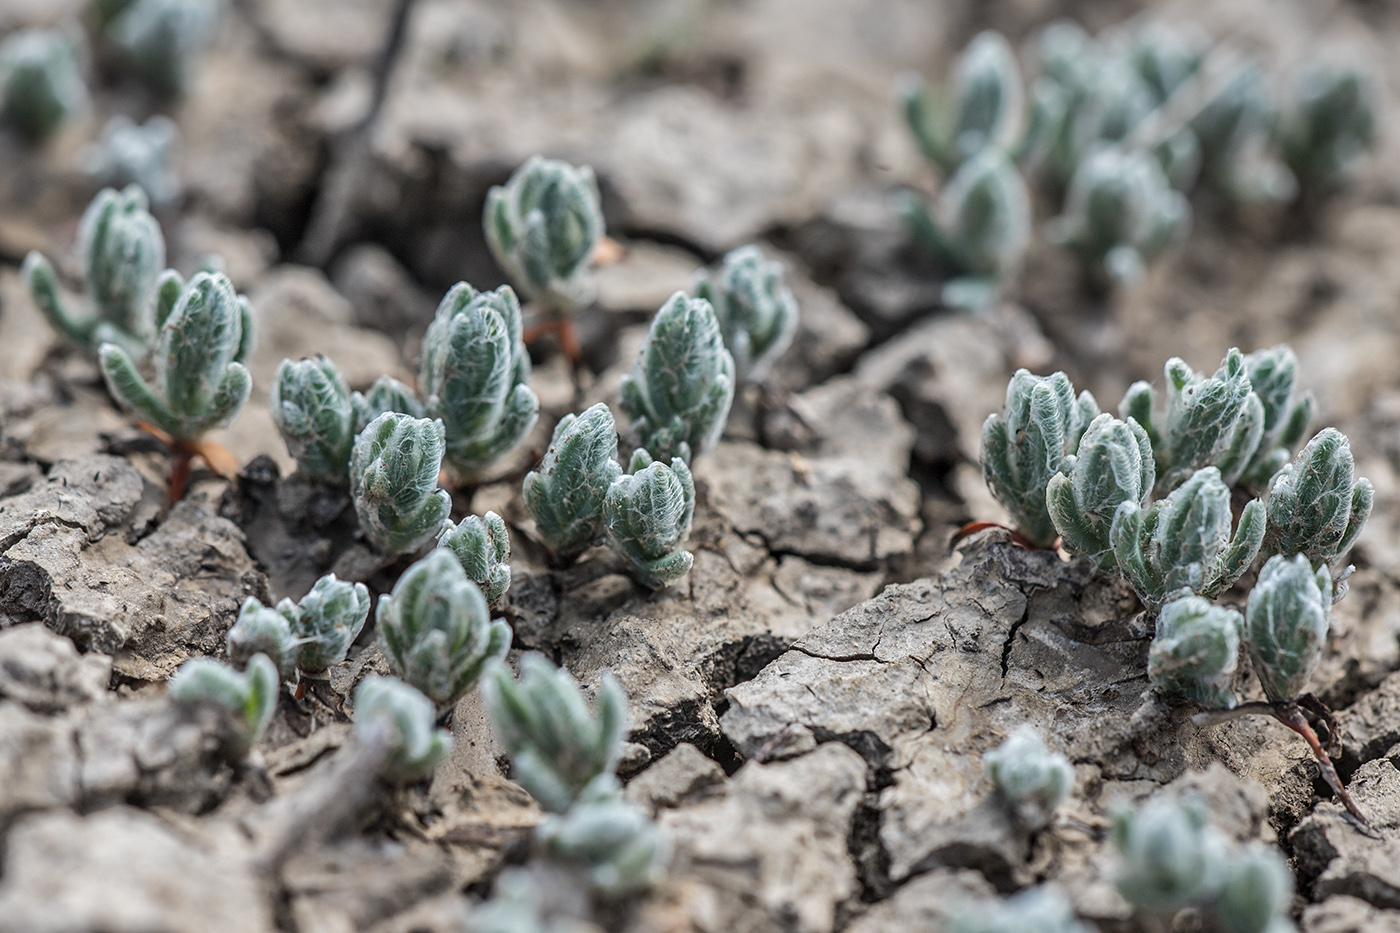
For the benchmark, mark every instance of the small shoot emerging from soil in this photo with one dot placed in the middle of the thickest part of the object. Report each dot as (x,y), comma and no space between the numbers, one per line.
(1213,421)
(309,636)
(647,514)
(617,845)
(1195,651)
(248,698)
(1273,376)
(1114,465)
(393,482)
(1028,443)
(556,744)
(384,394)
(983,109)
(1317,507)
(1184,540)
(482,545)
(1044,910)
(436,630)
(475,377)
(1286,624)
(680,388)
(1329,124)
(1120,214)
(756,310)
(977,230)
(390,713)
(262,630)
(159,42)
(310,405)
(128,153)
(1257,893)
(1029,778)
(565,493)
(122,254)
(1234,130)
(41,85)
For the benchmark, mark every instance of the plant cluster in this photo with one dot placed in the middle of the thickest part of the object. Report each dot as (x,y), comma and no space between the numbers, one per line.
(1172,859)
(307,636)
(1118,129)
(1061,468)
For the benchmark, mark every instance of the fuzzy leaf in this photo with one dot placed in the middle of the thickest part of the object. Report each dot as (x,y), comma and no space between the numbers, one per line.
(248,699)
(565,494)
(483,548)
(1114,465)
(311,407)
(648,516)
(1030,778)
(394,470)
(1196,650)
(756,310)
(1286,624)
(326,621)
(388,707)
(1316,505)
(41,85)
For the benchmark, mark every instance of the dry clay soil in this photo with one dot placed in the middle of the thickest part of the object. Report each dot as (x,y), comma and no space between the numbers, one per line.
(811,705)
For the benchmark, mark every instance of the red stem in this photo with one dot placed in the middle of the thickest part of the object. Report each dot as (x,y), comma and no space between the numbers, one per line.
(1291,716)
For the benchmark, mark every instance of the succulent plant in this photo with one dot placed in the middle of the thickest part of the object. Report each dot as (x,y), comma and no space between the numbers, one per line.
(1234,128)
(265,631)
(1044,910)
(389,710)
(1114,465)
(436,630)
(483,548)
(1196,650)
(543,226)
(394,470)
(1184,540)
(620,848)
(127,153)
(1273,374)
(1030,778)
(681,386)
(556,745)
(248,698)
(1257,893)
(565,494)
(1171,856)
(647,514)
(1120,214)
(1329,124)
(122,252)
(1316,506)
(384,394)
(41,85)
(756,310)
(311,407)
(200,382)
(1040,425)
(977,230)
(1206,421)
(475,377)
(984,108)
(326,621)
(161,41)
(1286,624)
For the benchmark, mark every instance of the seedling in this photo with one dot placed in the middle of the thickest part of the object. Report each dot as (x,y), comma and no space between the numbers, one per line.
(385,394)
(1120,214)
(144,155)
(483,548)
(1114,465)
(394,470)
(1044,910)
(1317,507)
(977,230)
(1329,124)
(200,382)
(475,377)
(1039,427)
(1216,421)
(565,494)
(756,310)
(1234,129)
(247,699)
(160,41)
(1029,778)
(984,108)
(311,407)
(647,514)
(1272,377)
(309,636)
(680,388)
(617,844)
(260,630)
(436,631)
(1257,893)
(391,712)
(544,227)
(1195,651)
(556,745)
(1184,540)
(41,85)
(122,253)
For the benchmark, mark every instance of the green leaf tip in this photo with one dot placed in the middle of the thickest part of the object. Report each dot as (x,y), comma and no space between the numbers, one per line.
(756,310)
(1286,621)
(647,515)
(312,409)
(248,698)
(394,468)
(565,493)
(1195,651)
(482,545)
(389,710)
(1029,778)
